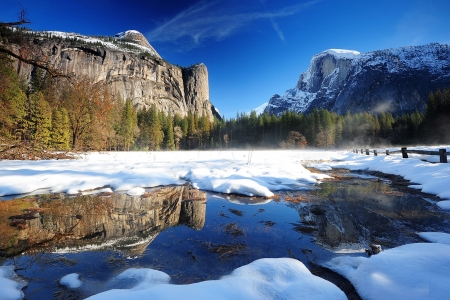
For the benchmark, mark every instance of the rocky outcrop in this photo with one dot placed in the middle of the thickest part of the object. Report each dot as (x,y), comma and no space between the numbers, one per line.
(393,80)
(136,37)
(138,74)
(196,89)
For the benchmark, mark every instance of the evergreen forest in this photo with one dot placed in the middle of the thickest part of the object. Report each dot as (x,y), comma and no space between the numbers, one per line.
(61,114)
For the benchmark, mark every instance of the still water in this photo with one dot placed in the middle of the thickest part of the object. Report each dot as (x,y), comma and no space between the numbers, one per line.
(194,236)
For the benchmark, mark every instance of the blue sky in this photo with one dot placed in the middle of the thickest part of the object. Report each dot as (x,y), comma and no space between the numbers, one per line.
(252,48)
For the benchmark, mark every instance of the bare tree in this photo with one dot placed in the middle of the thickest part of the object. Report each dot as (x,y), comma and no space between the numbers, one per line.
(25,51)
(226,140)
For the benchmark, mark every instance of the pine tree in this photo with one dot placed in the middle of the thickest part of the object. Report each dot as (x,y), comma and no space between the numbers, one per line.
(37,81)
(40,120)
(155,133)
(60,129)
(13,102)
(128,127)
(170,140)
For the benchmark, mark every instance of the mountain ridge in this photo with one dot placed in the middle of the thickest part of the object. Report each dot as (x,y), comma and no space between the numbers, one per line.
(397,80)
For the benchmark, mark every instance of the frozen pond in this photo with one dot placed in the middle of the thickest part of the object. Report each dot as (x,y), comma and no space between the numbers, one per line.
(195,236)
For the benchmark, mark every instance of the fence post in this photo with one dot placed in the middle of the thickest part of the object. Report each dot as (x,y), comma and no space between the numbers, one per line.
(387,151)
(367,151)
(375,152)
(443,156)
(404,153)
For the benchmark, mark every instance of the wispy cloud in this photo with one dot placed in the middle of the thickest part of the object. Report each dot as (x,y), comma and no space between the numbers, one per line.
(217,20)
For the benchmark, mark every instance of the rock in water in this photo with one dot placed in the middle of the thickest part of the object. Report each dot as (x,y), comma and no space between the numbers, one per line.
(374,249)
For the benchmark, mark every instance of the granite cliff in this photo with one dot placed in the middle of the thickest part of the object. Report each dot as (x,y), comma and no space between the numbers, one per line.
(394,80)
(129,65)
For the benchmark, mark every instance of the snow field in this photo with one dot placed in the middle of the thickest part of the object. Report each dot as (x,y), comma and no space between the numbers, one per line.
(257,173)
(267,278)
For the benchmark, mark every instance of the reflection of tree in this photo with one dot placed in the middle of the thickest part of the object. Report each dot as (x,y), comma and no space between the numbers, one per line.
(114,219)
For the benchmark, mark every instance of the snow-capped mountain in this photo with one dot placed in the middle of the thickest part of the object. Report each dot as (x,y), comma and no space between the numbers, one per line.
(260,109)
(135,41)
(394,80)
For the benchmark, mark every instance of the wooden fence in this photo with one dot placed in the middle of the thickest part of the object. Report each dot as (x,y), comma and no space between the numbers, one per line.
(404,151)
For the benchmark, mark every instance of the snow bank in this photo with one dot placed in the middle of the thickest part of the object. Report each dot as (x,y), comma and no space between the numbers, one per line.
(444,204)
(414,271)
(435,237)
(10,285)
(252,173)
(257,173)
(268,278)
(72,281)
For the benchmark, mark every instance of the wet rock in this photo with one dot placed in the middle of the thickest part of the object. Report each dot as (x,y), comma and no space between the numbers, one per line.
(374,249)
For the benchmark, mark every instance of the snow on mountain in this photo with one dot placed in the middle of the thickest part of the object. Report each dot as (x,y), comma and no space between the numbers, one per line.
(136,38)
(260,109)
(396,80)
(110,42)
(342,53)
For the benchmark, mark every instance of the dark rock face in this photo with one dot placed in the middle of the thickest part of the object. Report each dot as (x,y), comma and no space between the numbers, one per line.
(139,74)
(393,80)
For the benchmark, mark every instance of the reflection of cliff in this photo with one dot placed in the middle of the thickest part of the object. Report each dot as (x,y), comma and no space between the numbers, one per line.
(114,221)
(361,212)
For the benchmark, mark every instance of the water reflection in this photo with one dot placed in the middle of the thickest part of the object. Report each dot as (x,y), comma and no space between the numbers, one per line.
(107,221)
(231,232)
(357,212)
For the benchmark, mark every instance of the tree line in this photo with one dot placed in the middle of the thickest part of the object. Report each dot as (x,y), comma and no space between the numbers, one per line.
(60,114)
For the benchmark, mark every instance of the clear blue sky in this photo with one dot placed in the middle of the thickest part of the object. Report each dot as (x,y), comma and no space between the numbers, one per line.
(252,48)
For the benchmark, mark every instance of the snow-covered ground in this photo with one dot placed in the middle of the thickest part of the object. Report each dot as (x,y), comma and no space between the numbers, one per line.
(268,278)
(260,173)
(414,271)
(243,172)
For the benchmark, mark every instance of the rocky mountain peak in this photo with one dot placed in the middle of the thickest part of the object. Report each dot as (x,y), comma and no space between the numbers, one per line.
(392,80)
(135,37)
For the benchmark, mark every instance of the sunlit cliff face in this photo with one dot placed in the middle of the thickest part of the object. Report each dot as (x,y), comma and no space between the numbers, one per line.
(105,221)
